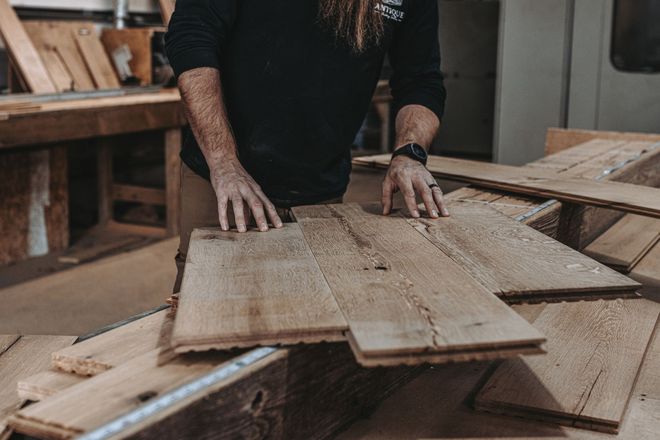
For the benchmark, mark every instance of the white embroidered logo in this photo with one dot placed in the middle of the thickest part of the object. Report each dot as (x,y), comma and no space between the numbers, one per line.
(389,12)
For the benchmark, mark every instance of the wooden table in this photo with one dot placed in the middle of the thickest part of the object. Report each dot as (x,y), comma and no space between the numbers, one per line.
(33,145)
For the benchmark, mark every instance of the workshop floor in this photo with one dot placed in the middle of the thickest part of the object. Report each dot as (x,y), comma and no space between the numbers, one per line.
(42,297)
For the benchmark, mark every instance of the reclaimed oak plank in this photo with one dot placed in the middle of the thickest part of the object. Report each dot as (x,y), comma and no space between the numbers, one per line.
(406,302)
(242,290)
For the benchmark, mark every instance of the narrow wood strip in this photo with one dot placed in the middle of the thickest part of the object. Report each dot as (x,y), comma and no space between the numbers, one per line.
(115,347)
(96,60)
(540,183)
(624,244)
(22,51)
(133,193)
(595,350)
(647,271)
(400,294)
(250,289)
(46,384)
(514,261)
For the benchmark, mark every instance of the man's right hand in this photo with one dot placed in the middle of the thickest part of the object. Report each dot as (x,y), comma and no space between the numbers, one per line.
(232,184)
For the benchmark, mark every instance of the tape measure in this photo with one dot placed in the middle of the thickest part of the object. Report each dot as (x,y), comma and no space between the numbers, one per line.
(169,399)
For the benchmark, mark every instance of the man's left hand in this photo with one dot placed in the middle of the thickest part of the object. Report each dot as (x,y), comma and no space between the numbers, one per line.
(412,178)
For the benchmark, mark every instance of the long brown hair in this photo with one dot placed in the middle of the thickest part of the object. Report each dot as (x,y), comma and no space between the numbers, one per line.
(354,21)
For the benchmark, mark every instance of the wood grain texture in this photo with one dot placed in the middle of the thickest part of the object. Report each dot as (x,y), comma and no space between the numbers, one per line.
(403,298)
(595,350)
(23,52)
(517,263)
(560,139)
(21,357)
(96,60)
(46,384)
(540,183)
(115,347)
(625,244)
(252,289)
(100,399)
(647,271)
(60,36)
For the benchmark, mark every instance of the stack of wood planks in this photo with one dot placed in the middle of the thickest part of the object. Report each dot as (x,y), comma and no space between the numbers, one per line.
(274,393)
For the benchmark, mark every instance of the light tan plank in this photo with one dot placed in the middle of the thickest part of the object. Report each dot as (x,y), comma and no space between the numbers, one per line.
(252,289)
(595,350)
(96,60)
(624,244)
(401,295)
(115,347)
(561,139)
(23,51)
(516,262)
(101,399)
(540,183)
(46,384)
(22,358)
(57,70)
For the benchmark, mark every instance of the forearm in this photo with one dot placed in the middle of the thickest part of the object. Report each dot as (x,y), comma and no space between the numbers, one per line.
(201,91)
(416,124)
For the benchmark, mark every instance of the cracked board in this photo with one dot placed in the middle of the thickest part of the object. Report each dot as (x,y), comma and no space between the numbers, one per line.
(406,302)
(518,263)
(539,182)
(242,290)
(595,350)
(626,243)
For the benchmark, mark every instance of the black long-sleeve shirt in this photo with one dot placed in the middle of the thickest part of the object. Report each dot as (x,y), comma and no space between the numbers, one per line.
(295,95)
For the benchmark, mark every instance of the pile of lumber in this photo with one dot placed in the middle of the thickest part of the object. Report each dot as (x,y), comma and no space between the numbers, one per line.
(345,272)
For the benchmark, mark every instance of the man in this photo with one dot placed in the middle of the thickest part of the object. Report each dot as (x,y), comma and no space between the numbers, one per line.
(275,92)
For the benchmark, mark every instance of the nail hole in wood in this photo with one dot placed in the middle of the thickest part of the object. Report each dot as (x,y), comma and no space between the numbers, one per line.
(143,397)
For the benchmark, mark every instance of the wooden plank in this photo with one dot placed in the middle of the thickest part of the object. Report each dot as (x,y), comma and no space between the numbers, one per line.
(97,251)
(242,290)
(624,244)
(101,399)
(60,37)
(115,347)
(173,144)
(21,357)
(406,302)
(138,41)
(589,372)
(57,70)
(46,384)
(23,52)
(560,139)
(91,118)
(142,194)
(539,183)
(166,10)
(647,271)
(96,60)
(517,263)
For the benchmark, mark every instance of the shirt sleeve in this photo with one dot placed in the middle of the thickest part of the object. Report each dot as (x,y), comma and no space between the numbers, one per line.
(415,59)
(197,32)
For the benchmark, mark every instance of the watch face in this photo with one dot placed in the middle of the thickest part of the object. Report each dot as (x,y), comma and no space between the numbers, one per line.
(419,151)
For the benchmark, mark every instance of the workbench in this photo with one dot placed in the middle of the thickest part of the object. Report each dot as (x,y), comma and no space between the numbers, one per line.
(34,136)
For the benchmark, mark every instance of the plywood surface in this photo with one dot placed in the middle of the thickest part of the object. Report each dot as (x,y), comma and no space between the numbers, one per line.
(540,183)
(595,350)
(517,262)
(401,295)
(96,60)
(115,347)
(253,289)
(625,244)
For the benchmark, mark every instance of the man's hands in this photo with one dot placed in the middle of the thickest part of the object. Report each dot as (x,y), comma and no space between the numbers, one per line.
(232,184)
(411,177)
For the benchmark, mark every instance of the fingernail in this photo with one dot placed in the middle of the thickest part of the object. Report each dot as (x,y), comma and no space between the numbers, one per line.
(242,229)
(434,213)
(263,227)
(415,214)
(278,225)
(445,212)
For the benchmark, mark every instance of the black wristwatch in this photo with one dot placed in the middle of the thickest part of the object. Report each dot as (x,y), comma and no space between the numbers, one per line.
(413,151)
